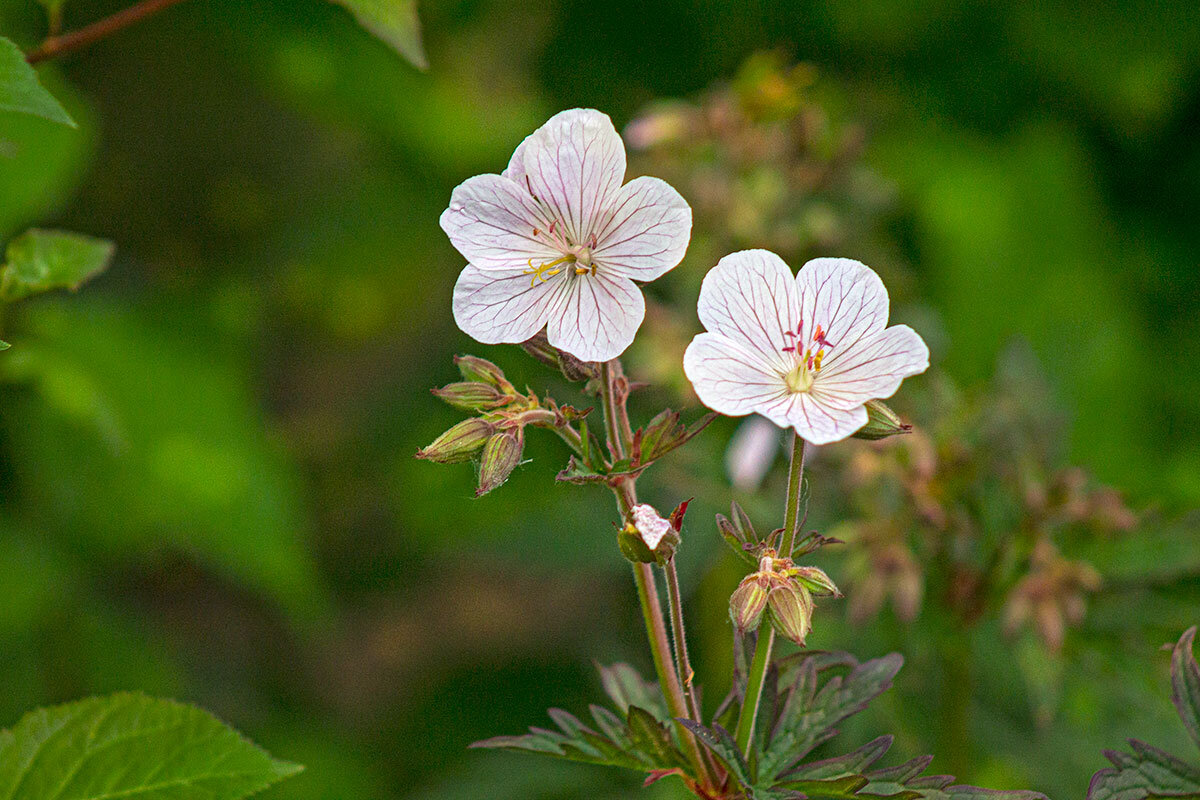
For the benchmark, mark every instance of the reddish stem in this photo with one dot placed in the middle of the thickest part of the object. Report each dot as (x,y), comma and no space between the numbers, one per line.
(55,46)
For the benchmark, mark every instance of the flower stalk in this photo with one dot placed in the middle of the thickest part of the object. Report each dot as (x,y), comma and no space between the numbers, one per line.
(766,639)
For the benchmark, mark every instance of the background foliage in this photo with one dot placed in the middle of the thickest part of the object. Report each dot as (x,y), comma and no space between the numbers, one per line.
(206,455)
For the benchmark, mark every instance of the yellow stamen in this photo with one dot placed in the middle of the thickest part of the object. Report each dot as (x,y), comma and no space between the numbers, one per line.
(546,271)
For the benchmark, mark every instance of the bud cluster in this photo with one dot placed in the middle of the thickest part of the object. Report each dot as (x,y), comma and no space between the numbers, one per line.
(782,591)
(497,435)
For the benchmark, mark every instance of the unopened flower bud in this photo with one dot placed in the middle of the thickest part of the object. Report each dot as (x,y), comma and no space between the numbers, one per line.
(882,422)
(501,455)
(472,396)
(647,537)
(459,443)
(483,371)
(791,611)
(816,581)
(571,367)
(747,603)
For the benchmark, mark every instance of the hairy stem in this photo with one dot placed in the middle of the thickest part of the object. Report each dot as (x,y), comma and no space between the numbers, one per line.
(766,639)
(56,45)
(678,634)
(616,423)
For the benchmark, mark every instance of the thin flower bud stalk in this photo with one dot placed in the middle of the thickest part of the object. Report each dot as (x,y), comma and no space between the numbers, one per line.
(460,443)
(882,422)
(472,396)
(481,370)
(791,608)
(747,603)
(501,455)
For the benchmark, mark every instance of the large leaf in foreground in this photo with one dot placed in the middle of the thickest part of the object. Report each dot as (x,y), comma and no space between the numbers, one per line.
(20,89)
(131,746)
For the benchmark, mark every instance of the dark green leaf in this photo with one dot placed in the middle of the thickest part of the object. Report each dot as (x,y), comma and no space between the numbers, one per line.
(841,788)
(393,21)
(21,91)
(1148,772)
(1185,684)
(721,743)
(40,260)
(653,740)
(848,764)
(627,688)
(129,745)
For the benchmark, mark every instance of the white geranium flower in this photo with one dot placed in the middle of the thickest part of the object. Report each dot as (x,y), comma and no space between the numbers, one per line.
(556,241)
(805,351)
(650,524)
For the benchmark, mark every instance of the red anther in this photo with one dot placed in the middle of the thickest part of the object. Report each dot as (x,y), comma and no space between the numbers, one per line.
(593,242)
(536,231)
(553,222)
(810,361)
(789,349)
(788,333)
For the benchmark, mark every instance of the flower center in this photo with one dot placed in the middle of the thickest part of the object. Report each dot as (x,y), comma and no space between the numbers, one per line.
(807,363)
(577,255)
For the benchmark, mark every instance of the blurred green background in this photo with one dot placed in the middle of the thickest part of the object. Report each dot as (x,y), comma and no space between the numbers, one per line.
(206,455)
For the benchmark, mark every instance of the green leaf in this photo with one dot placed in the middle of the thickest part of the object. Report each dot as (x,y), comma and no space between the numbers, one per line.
(20,90)
(40,260)
(1185,684)
(722,745)
(131,746)
(393,21)
(627,688)
(653,740)
(848,764)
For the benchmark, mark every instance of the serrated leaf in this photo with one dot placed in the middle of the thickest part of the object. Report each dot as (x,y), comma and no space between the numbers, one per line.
(843,788)
(1185,684)
(722,745)
(393,21)
(653,740)
(20,90)
(41,260)
(807,716)
(848,764)
(628,688)
(132,746)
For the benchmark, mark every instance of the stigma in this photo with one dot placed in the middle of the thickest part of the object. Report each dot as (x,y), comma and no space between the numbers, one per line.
(807,362)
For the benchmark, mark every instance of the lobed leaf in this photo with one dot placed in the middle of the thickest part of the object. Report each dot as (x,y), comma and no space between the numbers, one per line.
(132,746)
(1185,684)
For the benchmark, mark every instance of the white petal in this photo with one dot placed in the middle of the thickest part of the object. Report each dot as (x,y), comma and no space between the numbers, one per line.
(751,297)
(873,368)
(575,164)
(650,525)
(815,421)
(597,318)
(494,306)
(491,220)
(729,378)
(846,298)
(645,232)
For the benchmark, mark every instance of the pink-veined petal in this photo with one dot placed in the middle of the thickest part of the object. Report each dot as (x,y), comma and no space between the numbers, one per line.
(493,306)
(598,317)
(575,164)
(729,378)
(491,220)
(846,298)
(873,368)
(751,297)
(814,421)
(646,231)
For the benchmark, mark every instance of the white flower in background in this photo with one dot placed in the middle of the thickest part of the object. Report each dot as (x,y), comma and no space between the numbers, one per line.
(751,452)
(805,351)
(556,241)
(650,524)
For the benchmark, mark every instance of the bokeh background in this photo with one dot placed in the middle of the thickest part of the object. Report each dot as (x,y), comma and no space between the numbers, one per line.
(206,454)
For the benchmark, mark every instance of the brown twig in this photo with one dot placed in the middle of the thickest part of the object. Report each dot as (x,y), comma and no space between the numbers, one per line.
(55,46)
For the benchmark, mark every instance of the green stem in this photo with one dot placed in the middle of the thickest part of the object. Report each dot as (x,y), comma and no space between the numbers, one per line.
(678,634)
(762,648)
(754,688)
(616,422)
(791,514)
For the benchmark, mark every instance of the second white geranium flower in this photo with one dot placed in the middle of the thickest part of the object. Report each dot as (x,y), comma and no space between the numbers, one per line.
(556,241)
(805,351)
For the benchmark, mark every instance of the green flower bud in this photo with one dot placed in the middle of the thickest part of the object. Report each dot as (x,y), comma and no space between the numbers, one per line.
(791,611)
(747,603)
(501,455)
(633,547)
(472,396)
(815,580)
(459,443)
(882,422)
(483,371)
(571,367)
